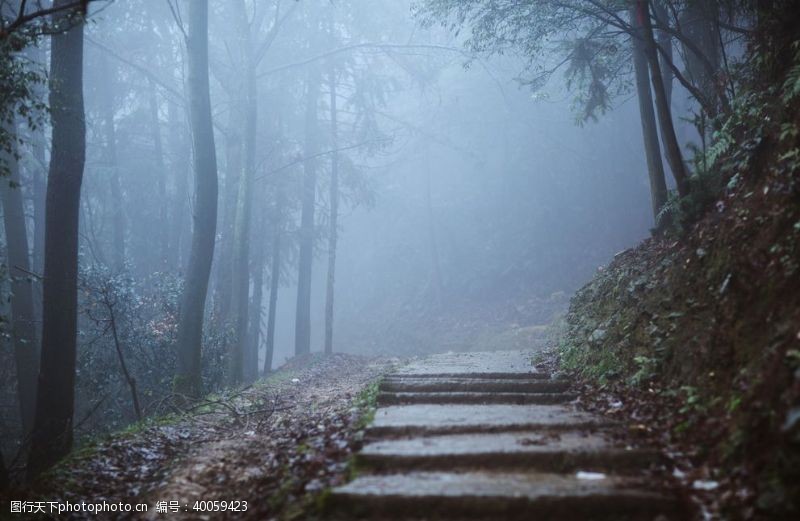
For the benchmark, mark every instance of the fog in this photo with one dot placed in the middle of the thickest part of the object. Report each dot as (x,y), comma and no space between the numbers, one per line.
(444,150)
(472,193)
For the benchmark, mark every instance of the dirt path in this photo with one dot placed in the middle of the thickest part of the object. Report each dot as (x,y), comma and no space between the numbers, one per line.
(277,446)
(485,435)
(470,435)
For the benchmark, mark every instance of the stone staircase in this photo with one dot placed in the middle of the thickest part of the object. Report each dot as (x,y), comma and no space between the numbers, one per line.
(484,436)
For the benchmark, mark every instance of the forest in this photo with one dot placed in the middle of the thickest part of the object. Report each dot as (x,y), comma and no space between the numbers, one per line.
(400,259)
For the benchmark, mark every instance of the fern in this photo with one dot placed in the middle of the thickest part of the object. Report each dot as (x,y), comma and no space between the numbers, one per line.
(791,87)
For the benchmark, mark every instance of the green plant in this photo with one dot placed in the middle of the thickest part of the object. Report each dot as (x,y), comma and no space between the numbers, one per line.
(367,402)
(646,369)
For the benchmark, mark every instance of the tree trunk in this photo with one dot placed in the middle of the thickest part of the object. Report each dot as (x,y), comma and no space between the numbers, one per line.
(302,330)
(161,172)
(671,146)
(274,282)
(117,215)
(190,326)
(652,148)
(241,236)
(179,167)
(254,321)
(665,43)
(701,48)
(23,319)
(334,217)
(55,401)
(129,379)
(38,181)
(436,269)
(223,286)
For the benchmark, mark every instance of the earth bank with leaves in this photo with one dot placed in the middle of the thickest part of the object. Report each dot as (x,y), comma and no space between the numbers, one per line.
(704,321)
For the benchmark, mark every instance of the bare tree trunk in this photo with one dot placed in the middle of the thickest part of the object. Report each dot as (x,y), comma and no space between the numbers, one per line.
(179,167)
(55,401)
(38,183)
(190,325)
(129,379)
(302,330)
(655,167)
(702,49)
(223,284)
(4,479)
(38,195)
(671,146)
(334,218)
(23,319)
(241,236)
(665,43)
(274,282)
(436,269)
(254,321)
(161,172)
(117,211)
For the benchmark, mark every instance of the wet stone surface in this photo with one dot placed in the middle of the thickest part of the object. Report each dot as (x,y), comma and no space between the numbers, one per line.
(537,457)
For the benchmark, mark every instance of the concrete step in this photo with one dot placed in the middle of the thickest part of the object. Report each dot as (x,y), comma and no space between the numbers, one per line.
(495,364)
(548,452)
(485,385)
(405,420)
(476,374)
(397,398)
(509,496)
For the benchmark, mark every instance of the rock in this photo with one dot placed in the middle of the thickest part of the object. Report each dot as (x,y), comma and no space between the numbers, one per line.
(597,336)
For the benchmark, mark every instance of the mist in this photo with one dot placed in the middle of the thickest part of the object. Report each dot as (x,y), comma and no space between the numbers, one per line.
(281,225)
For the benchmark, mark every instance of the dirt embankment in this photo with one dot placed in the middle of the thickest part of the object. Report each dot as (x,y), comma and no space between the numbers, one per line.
(700,333)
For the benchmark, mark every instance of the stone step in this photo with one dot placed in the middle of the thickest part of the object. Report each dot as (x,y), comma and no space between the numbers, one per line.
(495,364)
(476,374)
(397,398)
(486,385)
(549,451)
(403,420)
(509,496)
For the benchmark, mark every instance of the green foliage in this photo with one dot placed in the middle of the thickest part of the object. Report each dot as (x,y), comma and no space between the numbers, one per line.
(21,82)
(647,369)
(586,46)
(367,402)
(602,365)
(791,86)
(733,146)
(679,213)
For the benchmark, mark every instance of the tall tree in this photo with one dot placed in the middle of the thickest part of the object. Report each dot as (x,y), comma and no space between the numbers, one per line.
(161,172)
(334,214)
(668,136)
(190,324)
(652,148)
(254,321)
(23,320)
(107,109)
(274,279)
(433,241)
(55,400)
(179,166)
(241,235)
(302,329)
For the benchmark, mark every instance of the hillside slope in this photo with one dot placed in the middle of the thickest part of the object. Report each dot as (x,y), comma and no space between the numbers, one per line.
(703,326)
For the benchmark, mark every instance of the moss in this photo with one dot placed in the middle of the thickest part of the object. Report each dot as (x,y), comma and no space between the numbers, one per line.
(367,402)
(323,501)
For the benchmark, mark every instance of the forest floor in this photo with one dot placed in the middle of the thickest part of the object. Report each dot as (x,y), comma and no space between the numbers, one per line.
(277,445)
(308,443)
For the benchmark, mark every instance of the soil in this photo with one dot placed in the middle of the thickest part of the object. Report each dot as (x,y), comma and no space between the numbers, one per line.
(276,445)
